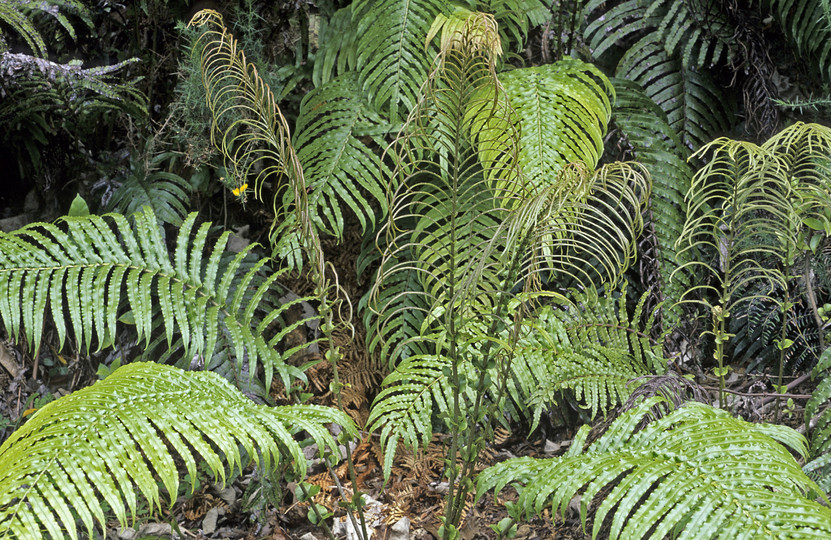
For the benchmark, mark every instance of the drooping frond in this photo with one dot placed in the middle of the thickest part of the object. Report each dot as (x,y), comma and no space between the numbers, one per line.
(340,167)
(589,346)
(251,132)
(91,271)
(108,445)
(738,211)
(667,45)
(391,59)
(644,126)
(695,473)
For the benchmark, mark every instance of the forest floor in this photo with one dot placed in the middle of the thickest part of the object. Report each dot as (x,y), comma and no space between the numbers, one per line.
(408,506)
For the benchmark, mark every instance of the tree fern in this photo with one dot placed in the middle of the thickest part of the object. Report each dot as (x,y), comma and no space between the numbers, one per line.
(108,444)
(338,166)
(83,269)
(695,473)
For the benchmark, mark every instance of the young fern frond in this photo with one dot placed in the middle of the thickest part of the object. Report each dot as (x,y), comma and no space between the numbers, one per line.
(338,166)
(85,269)
(111,443)
(252,134)
(694,473)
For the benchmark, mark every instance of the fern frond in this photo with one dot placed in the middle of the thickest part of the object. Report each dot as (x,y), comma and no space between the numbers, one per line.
(818,418)
(657,146)
(84,270)
(339,167)
(695,473)
(737,203)
(112,442)
(391,59)
(806,23)
(18,14)
(251,132)
(588,345)
(165,192)
(563,109)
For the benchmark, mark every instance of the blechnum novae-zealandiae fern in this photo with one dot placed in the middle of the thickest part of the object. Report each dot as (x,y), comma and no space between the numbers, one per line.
(94,453)
(585,344)
(92,271)
(482,208)
(695,473)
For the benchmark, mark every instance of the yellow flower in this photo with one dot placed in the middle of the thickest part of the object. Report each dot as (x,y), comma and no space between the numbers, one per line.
(238,191)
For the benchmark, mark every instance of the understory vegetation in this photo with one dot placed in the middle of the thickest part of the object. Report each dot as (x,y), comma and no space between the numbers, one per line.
(283,241)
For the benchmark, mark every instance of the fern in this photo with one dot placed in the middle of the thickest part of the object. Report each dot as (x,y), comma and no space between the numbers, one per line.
(670,76)
(18,14)
(818,418)
(695,473)
(467,228)
(145,185)
(337,164)
(656,145)
(88,450)
(391,59)
(82,271)
(252,134)
(589,346)
(806,23)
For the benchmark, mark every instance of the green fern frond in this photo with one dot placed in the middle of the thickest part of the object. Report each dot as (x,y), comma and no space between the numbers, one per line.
(588,345)
(657,146)
(737,202)
(18,15)
(338,47)
(84,270)
(668,47)
(818,418)
(108,444)
(339,167)
(391,59)
(806,23)
(563,109)
(695,473)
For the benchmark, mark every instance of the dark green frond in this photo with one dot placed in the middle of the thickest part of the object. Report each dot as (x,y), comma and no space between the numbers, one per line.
(92,270)
(341,168)
(123,432)
(818,418)
(656,145)
(806,23)
(391,57)
(695,473)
